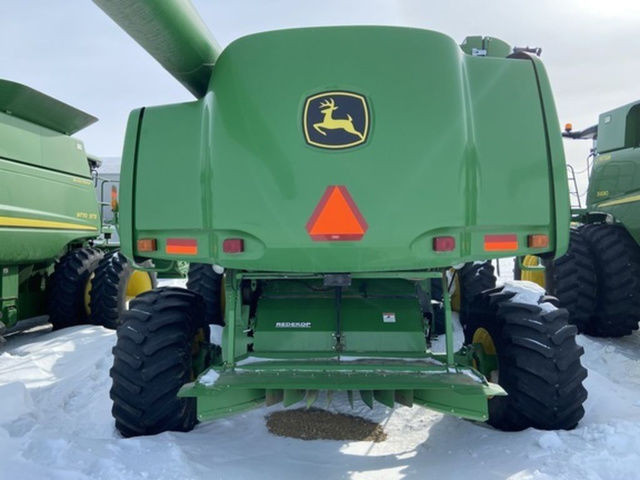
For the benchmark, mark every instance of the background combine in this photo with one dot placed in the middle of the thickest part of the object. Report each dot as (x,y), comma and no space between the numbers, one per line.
(598,280)
(321,181)
(51,235)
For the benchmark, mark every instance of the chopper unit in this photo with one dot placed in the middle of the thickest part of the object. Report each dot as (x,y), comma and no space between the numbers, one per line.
(320,180)
(51,236)
(598,280)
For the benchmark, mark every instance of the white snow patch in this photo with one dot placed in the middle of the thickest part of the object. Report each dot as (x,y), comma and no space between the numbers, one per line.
(55,399)
(550,441)
(527,292)
(15,401)
(215,336)
(209,378)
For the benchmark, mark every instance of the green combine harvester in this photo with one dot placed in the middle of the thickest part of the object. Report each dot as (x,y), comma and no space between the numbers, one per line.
(598,280)
(51,236)
(320,181)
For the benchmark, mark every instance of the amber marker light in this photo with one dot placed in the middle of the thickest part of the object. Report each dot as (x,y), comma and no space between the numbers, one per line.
(147,245)
(538,241)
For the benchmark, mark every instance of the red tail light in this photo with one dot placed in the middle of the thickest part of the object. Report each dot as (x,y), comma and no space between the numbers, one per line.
(444,244)
(233,245)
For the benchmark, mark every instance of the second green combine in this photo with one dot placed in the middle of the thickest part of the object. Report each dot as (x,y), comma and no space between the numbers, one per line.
(598,280)
(52,240)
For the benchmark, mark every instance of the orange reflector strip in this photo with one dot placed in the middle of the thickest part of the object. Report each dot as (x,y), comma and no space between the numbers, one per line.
(147,245)
(494,243)
(336,217)
(182,246)
(114,198)
(538,241)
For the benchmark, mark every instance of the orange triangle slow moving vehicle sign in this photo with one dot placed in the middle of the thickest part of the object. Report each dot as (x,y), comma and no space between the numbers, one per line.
(336,217)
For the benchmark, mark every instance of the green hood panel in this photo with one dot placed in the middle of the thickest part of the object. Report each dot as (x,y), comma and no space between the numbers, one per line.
(456,145)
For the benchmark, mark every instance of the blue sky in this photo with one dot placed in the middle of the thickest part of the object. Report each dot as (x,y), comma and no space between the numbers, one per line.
(71,50)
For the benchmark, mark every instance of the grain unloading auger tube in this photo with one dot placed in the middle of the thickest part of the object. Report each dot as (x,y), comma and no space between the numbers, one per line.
(322,182)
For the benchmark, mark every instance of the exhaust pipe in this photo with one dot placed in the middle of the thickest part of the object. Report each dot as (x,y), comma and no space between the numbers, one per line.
(173,33)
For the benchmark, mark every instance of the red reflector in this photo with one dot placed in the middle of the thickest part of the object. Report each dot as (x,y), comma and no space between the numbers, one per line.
(494,243)
(538,241)
(444,244)
(147,245)
(336,217)
(182,246)
(233,245)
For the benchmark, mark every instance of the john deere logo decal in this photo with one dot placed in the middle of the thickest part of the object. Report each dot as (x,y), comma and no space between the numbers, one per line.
(336,120)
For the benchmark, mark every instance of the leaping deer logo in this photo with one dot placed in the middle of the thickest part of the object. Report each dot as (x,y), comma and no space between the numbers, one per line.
(329,123)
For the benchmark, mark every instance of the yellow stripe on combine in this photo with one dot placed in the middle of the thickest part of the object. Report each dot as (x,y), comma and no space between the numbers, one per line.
(620,201)
(32,223)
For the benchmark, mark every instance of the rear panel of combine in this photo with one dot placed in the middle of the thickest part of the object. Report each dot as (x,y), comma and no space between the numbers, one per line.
(349,149)
(327,170)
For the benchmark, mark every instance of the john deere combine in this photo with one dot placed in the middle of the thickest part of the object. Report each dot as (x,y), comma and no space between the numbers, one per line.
(322,178)
(49,216)
(598,280)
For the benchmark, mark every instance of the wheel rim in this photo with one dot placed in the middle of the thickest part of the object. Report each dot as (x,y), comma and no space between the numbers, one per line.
(482,337)
(535,276)
(87,295)
(138,283)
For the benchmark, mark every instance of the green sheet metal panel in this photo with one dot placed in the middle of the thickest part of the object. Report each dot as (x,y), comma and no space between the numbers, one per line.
(444,155)
(47,197)
(619,128)
(40,109)
(32,144)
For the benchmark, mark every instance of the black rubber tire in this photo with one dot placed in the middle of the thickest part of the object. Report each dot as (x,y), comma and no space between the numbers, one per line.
(617,262)
(152,359)
(203,280)
(68,282)
(538,363)
(575,282)
(109,289)
(438,309)
(473,279)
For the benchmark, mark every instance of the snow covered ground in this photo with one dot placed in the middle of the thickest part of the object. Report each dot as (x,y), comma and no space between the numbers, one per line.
(55,423)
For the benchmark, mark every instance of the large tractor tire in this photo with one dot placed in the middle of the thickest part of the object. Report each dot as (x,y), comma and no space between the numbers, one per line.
(203,280)
(69,282)
(617,264)
(575,282)
(473,279)
(160,337)
(470,280)
(114,285)
(573,279)
(538,362)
